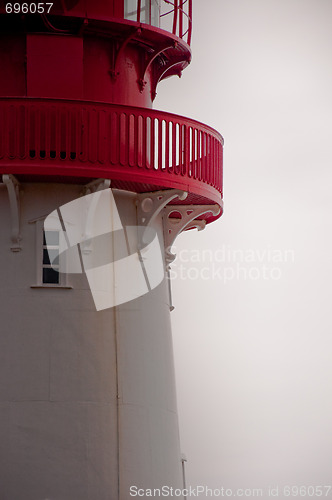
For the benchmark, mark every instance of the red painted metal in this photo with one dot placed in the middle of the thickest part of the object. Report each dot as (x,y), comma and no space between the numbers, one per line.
(113,10)
(182,9)
(181,20)
(190,16)
(89,139)
(139,11)
(175,15)
(54,66)
(87,77)
(122,64)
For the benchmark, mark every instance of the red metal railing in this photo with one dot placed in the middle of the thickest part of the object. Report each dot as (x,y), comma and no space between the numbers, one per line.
(175,14)
(82,138)
(182,18)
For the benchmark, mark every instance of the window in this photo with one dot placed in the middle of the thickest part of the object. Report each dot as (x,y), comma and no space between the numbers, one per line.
(155,13)
(149,11)
(50,265)
(48,258)
(130,11)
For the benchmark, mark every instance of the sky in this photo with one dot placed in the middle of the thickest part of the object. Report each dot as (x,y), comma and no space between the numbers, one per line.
(252,292)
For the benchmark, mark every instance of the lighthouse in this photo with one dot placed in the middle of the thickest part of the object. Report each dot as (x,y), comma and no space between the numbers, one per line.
(95,187)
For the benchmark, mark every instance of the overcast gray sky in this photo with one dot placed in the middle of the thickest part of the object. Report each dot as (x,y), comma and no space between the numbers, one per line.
(252,326)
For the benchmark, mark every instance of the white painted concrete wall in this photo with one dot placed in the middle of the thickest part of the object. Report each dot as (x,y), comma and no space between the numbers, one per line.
(87,398)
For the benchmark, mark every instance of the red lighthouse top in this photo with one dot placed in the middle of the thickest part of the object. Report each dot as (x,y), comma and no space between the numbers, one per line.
(77,92)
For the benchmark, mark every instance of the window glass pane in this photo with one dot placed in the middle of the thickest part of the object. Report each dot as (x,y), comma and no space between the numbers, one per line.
(155,12)
(150,11)
(52,238)
(50,276)
(51,256)
(130,10)
(145,11)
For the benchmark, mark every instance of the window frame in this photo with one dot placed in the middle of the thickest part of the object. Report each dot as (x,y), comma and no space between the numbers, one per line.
(39,254)
(50,266)
(150,11)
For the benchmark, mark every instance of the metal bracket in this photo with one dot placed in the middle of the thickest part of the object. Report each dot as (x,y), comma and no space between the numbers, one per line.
(13,187)
(113,71)
(149,60)
(173,226)
(161,76)
(149,205)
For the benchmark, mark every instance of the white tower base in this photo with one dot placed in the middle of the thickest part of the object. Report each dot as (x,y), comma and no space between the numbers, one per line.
(87,398)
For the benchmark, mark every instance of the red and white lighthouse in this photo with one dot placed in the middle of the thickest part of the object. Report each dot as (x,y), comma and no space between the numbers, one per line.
(87,395)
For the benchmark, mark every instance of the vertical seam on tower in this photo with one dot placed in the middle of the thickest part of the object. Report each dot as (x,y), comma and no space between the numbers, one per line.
(117,400)
(116,380)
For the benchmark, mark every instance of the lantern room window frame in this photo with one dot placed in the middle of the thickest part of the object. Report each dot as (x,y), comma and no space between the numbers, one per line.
(172,15)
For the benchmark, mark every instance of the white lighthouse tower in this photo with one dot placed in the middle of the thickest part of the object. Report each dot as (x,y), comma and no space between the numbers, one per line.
(95,186)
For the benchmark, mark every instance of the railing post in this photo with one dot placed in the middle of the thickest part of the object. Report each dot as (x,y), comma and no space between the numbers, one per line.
(139,10)
(160,144)
(190,14)
(175,18)
(181,19)
(152,142)
(173,146)
(167,146)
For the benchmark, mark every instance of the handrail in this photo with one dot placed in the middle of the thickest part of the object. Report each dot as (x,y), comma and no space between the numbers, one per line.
(179,10)
(53,136)
(139,10)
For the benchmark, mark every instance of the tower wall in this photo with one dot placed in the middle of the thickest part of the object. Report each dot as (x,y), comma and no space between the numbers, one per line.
(87,398)
(48,65)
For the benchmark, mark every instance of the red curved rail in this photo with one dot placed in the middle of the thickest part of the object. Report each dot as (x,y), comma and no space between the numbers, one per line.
(181,10)
(48,137)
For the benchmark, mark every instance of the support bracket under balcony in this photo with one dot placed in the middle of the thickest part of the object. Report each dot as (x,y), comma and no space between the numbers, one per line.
(163,73)
(149,60)
(173,226)
(119,50)
(149,205)
(13,188)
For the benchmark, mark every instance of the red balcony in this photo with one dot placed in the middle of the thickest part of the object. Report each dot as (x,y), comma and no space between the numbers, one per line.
(140,149)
